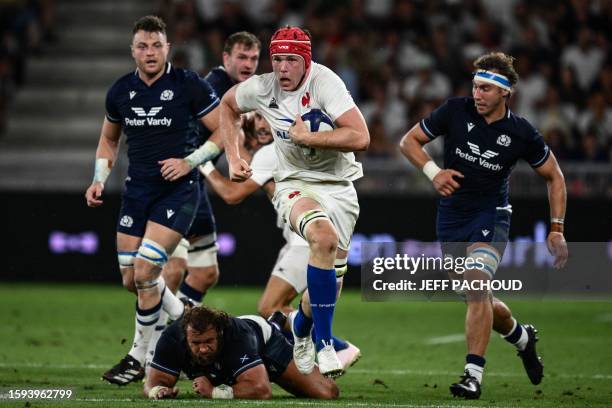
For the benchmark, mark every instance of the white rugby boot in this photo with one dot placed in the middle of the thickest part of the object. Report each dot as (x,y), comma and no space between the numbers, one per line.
(303,349)
(329,363)
(349,356)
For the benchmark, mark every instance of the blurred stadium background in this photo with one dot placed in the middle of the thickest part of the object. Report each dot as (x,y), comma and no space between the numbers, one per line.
(399,59)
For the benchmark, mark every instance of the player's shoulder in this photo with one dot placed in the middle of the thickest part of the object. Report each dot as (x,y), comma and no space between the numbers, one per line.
(460,103)
(217,74)
(184,75)
(321,73)
(122,83)
(174,332)
(521,126)
(258,84)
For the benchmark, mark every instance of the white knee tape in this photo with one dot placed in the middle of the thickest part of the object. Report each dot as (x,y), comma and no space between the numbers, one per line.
(152,252)
(203,252)
(126,258)
(341,267)
(306,218)
(487,257)
(181,250)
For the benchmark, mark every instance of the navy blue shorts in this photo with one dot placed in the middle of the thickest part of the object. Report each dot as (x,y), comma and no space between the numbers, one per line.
(457,230)
(171,204)
(204,222)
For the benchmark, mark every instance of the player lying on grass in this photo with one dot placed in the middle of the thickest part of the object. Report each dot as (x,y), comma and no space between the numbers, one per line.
(229,357)
(288,277)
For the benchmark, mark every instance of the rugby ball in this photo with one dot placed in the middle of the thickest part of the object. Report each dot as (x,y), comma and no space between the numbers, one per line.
(317,121)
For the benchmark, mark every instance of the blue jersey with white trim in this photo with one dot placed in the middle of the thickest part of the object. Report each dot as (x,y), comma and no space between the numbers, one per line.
(484,153)
(159,120)
(241,348)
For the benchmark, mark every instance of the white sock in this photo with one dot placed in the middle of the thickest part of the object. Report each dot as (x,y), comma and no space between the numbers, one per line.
(171,304)
(522,341)
(142,333)
(159,328)
(180,294)
(475,371)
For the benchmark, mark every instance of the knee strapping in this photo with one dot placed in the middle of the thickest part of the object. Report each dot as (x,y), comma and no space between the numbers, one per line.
(126,258)
(487,257)
(341,267)
(152,252)
(203,252)
(306,218)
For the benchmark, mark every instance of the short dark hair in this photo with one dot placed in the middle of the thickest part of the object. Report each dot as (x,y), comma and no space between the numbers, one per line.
(245,38)
(202,318)
(150,24)
(499,62)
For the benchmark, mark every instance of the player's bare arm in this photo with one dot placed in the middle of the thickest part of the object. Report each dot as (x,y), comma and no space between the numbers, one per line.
(160,385)
(106,154)
(251,384)
(174,168)
(351,134)
(412,146)
(557,199)
(231,192)
(229,122)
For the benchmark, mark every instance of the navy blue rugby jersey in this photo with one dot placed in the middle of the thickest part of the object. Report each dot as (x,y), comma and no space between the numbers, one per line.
(484,153)
(159,120)
(220,82)
(242,346)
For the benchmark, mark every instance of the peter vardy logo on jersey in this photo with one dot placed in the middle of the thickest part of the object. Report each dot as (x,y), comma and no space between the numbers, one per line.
(166,95)
(480,158)
(150,120)
(504,140)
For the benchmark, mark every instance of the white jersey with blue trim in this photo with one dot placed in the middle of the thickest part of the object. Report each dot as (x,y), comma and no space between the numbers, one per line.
(322,89)
(263,166)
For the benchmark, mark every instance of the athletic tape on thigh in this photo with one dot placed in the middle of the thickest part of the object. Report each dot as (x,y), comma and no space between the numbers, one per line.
(181,250)
(341,266)
(306,218)
(126,258)
(203,252)
(488,257)
(152,252)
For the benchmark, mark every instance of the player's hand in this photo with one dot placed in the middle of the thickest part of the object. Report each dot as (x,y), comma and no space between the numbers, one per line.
(93,194)
(298,132)
(203,387)
(444,182)
(174,169)
(164,392)
(239,170)
(558,248)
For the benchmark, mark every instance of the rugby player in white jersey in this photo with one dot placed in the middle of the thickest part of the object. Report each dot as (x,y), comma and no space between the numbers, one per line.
(314,176)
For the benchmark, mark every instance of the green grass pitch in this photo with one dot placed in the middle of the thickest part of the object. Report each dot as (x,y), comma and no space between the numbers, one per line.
(65,336)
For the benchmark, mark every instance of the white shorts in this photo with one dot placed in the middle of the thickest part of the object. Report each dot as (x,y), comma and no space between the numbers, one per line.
(338,200)
(291,266)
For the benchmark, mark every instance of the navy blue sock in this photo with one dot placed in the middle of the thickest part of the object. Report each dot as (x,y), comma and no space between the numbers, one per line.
(322,292)
(302,324)
(190,292)
(513,337)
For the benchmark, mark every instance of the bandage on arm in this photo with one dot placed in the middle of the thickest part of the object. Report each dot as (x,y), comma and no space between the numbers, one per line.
(431,170)
(102,170)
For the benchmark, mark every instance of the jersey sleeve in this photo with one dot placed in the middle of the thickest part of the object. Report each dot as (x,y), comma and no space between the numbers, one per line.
(112,112)
(246,93)
(536,151)
(333,95)
(242,354)
(203,97)
(263,164)
(167,356)
(436,124)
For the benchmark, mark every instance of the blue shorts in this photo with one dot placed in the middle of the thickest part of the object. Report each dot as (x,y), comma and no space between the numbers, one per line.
(457,230)
(204,222)
(171,204)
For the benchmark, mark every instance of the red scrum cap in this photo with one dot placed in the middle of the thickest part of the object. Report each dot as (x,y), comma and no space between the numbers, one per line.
(291,40)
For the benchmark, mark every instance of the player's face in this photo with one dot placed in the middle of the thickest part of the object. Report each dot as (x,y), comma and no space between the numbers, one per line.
(488,98)
(289,70)
(262,130)
(241,63)
(203,346)
(150,52)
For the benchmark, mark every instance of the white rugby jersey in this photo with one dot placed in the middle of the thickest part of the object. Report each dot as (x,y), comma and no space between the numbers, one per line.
(263,165)
(322,89)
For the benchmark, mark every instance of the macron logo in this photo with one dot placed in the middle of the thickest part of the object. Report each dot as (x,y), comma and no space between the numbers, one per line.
(470,126)
(488,154)
(132,94)
(141,112)
(485,232)
(169,213)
